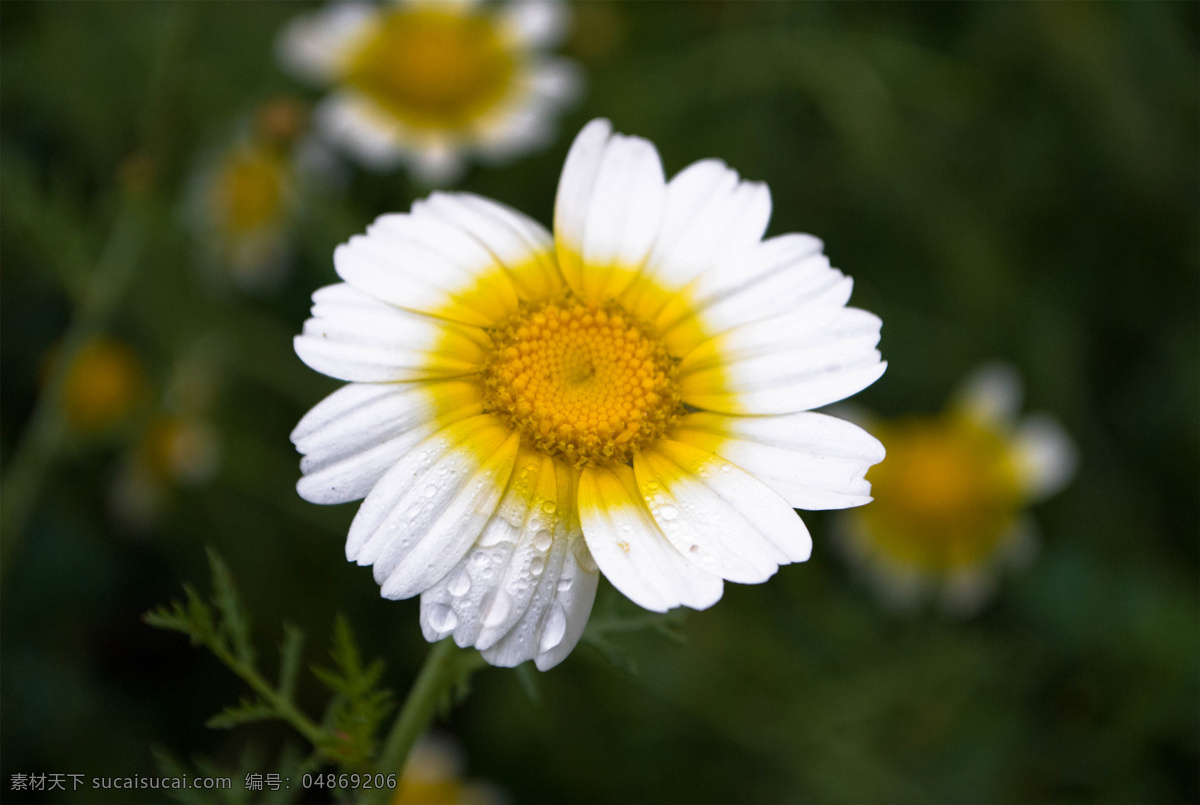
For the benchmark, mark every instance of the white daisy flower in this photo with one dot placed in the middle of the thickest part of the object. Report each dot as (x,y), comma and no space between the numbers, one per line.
(949,511)
(628,395)
(242,204)
(428,82)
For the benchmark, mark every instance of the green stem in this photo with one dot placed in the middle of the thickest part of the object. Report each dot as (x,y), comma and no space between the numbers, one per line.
(46,431)
(445,666)
(286,709)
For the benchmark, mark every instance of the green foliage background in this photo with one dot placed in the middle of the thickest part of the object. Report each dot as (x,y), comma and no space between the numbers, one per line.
(1003,180)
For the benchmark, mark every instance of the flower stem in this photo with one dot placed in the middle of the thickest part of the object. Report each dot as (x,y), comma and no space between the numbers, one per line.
(446,666)
(284,707)
(46,430)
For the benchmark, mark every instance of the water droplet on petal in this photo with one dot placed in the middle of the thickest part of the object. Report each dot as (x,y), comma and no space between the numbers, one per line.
(459,583)
(549,506)
(536,565)
(668,512)
(554,629)
(542,540)
(430,491)
(565,583)
(442,618)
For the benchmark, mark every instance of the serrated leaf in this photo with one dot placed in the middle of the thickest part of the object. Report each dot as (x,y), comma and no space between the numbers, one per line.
(358,707)
(235,622)
(245,712)
(290,651)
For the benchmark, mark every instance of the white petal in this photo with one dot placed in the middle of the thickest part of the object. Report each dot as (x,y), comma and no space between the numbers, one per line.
(965,591)
(437,164)
(992,395)
(462,601)
(632,551)
(524,121)
(607,212)
(534,23)
(353,436)
(710,215)
(813,461)
(776,277)
(356,124)
(576,592)
(353,336)
(785,366)
(717,515)
(553,593)
(317,46)
(517,243)
(525,589)
(425,513)
(421,262)
(534,554)
(1046,456)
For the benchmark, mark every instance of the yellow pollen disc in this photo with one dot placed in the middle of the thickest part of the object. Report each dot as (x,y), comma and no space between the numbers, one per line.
(581,380)
(249,190)
(434,68)
(945,495)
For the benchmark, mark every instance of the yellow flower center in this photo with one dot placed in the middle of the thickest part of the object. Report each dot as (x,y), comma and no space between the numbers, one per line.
(103,385)
(249,190)
(945,495)
(434,68)
(581,380)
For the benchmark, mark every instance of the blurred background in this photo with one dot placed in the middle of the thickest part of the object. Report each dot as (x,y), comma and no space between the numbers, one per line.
(1003,181)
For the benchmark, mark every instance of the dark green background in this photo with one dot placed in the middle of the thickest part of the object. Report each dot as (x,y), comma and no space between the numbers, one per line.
(1003,180)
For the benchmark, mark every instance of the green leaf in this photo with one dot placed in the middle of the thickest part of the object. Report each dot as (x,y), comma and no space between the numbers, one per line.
(245,712)
(358,707)
(290,651)
(235,622)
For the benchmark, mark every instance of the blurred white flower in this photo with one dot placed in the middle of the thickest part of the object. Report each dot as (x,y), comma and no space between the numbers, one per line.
(242,204)
(949,509)
(434,775)
(429,82)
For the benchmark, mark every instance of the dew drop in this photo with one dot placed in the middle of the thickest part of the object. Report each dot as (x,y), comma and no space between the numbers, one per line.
(549,506)
(542,540)
(459,583)
(668,512)
(487,572)
(479,559)
(536,565)
(554,629)
(430,491)
(442,618)
(584,557)
(565,583)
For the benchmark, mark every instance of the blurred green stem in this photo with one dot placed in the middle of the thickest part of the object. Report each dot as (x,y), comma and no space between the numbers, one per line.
(446,666)
(44,434)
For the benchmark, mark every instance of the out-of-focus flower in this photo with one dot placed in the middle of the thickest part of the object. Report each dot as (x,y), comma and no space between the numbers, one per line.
(173,452)
(950,500)
(243,204)
(630,394)
(104,384)
(429,83)
(433,775)
(179,448)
